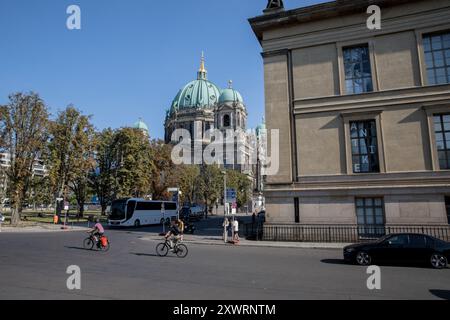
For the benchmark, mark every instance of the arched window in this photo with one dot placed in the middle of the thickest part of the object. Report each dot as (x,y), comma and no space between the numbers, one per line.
(226,121)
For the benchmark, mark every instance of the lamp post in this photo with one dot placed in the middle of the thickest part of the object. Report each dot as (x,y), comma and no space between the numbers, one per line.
(224,192)
(225,231)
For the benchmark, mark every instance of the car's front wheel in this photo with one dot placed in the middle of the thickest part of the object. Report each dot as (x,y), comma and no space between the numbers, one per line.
(363,258)
(438,261)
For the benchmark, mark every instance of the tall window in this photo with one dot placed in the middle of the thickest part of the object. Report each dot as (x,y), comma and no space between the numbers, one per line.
(226,121)
(370,217)
(437,57)
(447,207)
(364,146)
(358,73)
(442,131)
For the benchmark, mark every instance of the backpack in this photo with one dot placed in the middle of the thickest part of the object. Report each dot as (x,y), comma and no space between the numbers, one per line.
(181,226)
(104,241)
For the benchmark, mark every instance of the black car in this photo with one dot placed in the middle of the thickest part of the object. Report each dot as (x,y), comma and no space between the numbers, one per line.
(401,248)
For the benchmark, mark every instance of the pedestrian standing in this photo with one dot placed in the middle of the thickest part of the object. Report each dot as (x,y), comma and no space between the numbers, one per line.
(236,230)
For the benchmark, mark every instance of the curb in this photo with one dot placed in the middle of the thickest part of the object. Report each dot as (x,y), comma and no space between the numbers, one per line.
(39,229)
(260,244)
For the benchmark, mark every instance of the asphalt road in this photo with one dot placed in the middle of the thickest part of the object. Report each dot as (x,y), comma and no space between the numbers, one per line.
(33,266)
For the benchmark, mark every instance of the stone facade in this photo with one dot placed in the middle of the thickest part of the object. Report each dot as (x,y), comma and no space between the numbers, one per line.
(311,58)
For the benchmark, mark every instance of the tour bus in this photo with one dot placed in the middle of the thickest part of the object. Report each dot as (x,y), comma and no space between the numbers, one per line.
(138,212)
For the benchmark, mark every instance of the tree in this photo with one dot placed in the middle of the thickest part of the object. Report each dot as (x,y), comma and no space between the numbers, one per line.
(102,177)
(242,184)
(163,175)
(210,184)
(23,134)
(133,165)
(41,191)
(71,154)
(188,181)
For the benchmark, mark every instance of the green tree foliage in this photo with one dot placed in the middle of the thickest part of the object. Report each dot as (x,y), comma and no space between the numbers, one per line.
(23,134)
(163,175)
(102,177)
(242,184)
(71,154)
(210,185)
(133,163)
(188,177)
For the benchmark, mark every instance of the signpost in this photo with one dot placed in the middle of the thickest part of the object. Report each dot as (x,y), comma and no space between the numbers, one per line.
(163,211)
(231,196)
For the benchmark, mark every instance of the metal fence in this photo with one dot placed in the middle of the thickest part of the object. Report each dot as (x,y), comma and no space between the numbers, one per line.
(337,233)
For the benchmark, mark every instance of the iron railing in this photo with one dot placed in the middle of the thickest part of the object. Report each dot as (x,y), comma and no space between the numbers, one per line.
(337,233)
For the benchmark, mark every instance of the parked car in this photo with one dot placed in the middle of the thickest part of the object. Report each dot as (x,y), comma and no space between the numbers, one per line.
(401,248)
(197,212)
(193,213)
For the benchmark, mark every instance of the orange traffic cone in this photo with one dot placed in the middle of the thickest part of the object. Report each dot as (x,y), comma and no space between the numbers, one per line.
(55,219)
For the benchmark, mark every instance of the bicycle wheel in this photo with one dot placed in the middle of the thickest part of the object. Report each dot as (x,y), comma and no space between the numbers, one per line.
(162,250)
(88,243)
(181,251)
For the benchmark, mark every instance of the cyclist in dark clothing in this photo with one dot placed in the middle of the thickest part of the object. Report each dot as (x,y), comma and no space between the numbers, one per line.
(173,233)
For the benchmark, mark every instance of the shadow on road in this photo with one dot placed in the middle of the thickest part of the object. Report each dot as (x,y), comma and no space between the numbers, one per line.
(77,248)
(150,255)
(442,294)
(385,264)
(334,261)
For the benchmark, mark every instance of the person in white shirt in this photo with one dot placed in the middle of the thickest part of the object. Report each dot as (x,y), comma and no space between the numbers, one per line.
(236,230)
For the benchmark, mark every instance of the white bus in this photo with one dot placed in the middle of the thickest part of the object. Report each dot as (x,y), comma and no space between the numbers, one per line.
(138,212)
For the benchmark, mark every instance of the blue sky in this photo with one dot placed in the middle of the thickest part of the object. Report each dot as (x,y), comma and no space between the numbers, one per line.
(131,56)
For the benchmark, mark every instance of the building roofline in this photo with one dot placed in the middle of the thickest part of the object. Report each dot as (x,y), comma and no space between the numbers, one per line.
(326,10)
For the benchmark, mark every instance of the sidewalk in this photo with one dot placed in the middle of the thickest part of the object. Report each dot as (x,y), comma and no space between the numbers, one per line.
(218,241)
(36,228)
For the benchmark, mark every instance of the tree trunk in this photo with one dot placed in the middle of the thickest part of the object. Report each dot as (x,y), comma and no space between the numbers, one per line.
(81,210)
(104,209)
(15,215)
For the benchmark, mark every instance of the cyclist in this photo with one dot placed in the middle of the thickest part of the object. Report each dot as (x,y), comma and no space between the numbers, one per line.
(98,231)
(173,233)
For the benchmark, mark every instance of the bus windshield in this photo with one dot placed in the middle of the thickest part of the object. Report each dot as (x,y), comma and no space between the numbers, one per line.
(118,208)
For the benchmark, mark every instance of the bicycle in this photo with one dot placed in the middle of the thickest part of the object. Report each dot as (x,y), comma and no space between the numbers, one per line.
(89,243)
(163,248)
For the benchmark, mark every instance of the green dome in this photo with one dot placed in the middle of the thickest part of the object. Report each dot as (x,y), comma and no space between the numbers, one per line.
(199,93)
(261,127)
(140,125)
(230,95)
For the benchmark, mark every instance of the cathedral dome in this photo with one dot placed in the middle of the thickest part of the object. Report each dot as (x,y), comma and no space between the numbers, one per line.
(261,128)
(199,93)
(141,125)
(230,95)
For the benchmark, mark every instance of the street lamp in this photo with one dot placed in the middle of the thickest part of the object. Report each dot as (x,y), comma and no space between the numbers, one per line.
(224,192)
(225,231)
